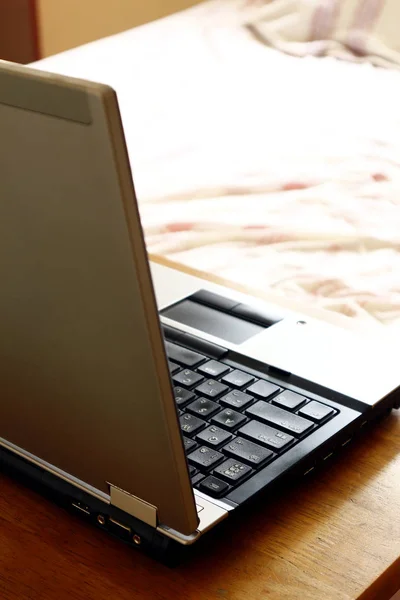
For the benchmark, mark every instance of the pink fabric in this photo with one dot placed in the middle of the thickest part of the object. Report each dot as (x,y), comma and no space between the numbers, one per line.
(324,19)
(348,29)
(365,17)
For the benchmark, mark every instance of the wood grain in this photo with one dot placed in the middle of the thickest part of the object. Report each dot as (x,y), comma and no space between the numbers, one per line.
(332,536)
(18,31)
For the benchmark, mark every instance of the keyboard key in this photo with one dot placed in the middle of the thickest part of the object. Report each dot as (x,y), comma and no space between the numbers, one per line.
(236,399)
(213,436)
(205,458)
(189,444)
(182,396)
(187,378)
(266,435)
(213,486)
(316,411)
(238,378)
(213,368)
(185,357)
(191,424)
(192,471)
(263,389)
(229,419)
(197,478)
(289,400)
(232,470)
(211,388)
(248,452)
(280,418)
(173,367)
(203,407)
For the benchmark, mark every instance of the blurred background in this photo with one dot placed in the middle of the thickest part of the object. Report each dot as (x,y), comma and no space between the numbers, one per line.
(33,29)
(273,128)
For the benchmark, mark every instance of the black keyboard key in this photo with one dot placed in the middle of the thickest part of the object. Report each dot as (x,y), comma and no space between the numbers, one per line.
(213,368)
(191,424)
(266,435)
(248,452)
(280,418)
(213,486)
(229,419)
(236,399)
(238,378)
(180,412)
(211,388)
(197,478)
(187,378)
(203,407)
(289,400)
(181,355)
(263,389)
(316,411)
(173,367)
(205,458)
(182,396)
(213,436)
(189,444)
(232,471)
(192,471)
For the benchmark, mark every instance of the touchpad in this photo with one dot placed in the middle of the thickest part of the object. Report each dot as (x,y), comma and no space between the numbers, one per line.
(225,326)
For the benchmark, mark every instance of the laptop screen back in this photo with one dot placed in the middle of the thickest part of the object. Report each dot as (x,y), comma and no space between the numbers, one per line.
(84,380)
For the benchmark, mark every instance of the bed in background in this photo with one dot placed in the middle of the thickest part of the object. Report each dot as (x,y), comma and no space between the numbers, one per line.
(269,169)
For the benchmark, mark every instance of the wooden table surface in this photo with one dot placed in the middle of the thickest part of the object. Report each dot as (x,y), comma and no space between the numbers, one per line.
(333,536)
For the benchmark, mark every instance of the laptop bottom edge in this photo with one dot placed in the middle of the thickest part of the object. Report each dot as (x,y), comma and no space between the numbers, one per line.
(103,516)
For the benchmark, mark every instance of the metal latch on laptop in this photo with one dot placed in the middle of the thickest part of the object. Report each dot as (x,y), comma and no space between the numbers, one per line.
(133,506)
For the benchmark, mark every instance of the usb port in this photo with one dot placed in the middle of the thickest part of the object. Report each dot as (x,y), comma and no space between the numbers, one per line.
(83,508)
(119,529)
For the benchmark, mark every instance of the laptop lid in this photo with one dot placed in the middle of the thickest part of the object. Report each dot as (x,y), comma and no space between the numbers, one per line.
(84,378)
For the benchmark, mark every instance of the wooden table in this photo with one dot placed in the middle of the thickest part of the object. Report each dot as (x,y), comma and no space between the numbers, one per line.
(333,536)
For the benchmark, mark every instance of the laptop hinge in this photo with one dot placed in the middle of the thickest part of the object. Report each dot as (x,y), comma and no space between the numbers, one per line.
(133,506)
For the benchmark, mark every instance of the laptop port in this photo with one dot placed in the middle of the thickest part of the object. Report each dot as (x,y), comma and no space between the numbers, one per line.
(83,508)
(119,529)
(347,442)
(309,471)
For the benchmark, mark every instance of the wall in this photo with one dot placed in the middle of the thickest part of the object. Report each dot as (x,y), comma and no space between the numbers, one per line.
(64,24)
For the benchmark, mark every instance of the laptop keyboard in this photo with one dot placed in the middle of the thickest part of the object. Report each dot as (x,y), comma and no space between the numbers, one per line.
(234,423)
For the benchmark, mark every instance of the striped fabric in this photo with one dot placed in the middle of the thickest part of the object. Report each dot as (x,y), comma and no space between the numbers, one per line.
(351,29)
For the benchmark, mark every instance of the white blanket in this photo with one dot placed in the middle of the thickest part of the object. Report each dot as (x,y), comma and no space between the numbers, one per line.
(278,172)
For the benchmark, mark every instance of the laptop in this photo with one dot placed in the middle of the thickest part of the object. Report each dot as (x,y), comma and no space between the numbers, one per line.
(152,403)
